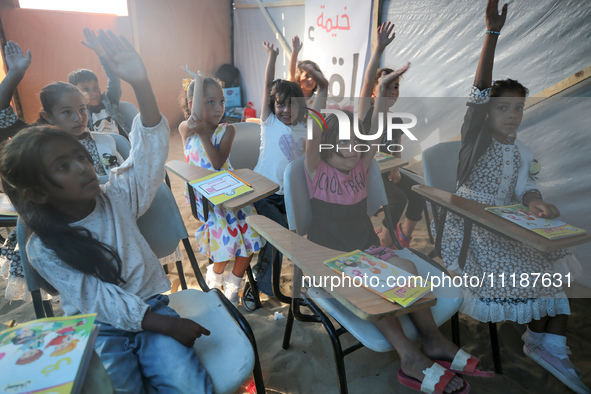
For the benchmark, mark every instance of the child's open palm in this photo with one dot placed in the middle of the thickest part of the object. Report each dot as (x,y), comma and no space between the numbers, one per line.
(15,58)
(386,79)
(194,75)
(122,58)
(296,44)
(386,35)
(270,48)
(494,21)
(92,41)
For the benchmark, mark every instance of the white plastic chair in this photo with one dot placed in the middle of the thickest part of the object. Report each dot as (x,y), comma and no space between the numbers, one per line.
(299,215)
(231,346)
(245,148)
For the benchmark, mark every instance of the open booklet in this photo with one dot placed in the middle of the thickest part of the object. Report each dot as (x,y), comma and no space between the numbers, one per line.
(221,187)
(548,228)
(47,355)
(382,278)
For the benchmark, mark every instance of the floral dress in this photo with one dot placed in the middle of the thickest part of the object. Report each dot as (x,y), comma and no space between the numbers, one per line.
(226,233)
(493,181)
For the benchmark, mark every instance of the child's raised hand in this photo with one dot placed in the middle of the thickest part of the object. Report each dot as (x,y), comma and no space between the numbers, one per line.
(386,79)
(15,58)
(296,44)
(494,21)
(386,35)
(316,75)
(92,41)
(122,58)
(194,75)
(543,209)
(270,48)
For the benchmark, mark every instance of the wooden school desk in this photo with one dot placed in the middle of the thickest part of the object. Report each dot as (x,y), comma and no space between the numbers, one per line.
(262,187)
(309,257)
(387,165)
(473,213)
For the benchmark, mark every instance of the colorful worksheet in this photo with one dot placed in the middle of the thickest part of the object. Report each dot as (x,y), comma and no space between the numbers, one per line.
(221,187)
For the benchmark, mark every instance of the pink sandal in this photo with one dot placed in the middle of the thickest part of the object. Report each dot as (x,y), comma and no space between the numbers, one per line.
(402,239)
(436,380)
(465,363)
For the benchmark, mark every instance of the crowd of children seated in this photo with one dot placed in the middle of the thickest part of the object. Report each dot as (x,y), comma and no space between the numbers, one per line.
(51,172)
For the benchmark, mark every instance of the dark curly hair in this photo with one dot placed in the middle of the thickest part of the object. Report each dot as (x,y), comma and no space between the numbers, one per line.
(499,87)
(282,90)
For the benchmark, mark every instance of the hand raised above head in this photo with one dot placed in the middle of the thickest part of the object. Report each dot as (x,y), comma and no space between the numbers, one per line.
(386,35)
(494,21)
(122,58)
(270,48)
(92,41)
(316,75)
(16,60)
(387,78)
(194,75)
(296,44)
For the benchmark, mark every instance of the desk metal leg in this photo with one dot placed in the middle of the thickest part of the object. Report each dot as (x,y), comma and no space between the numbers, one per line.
(494,343)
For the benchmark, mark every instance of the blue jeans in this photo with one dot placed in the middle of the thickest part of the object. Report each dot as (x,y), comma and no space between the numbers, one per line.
(147,361)
(272,207)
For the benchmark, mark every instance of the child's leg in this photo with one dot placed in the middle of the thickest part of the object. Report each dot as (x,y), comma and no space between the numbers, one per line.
(214,275)
(412,361)
(166,364)
(233,280)
(115,350)
(272,207)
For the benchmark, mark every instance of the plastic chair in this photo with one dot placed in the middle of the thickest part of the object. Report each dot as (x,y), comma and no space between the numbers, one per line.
(245,148)
(299,216)
(232,346)
(440,163)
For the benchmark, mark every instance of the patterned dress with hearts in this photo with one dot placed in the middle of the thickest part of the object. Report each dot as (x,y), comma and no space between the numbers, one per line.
(226,233)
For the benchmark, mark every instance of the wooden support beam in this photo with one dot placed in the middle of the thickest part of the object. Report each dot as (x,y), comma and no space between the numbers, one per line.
(278,34)
(270,4)
(376,16)
(559,87)
(132,10)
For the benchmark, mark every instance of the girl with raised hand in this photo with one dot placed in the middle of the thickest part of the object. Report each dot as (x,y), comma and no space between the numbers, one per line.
(298,72)
(63,106)
(494,169)
(283,135)
(340,221)
(398,186)
(84,240)
(225,235)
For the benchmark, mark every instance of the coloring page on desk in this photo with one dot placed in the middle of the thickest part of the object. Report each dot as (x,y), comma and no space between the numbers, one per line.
(45,355)
(382,278)
(548,228)
(220,187)
(380,156)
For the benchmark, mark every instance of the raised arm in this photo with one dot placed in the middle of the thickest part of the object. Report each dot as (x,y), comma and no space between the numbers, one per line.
(312,158)
(296,47)
(386,35)
(17,63)
(269,76)
(494,24)
(113,81)
(381,106)
(127,64)
(197,103)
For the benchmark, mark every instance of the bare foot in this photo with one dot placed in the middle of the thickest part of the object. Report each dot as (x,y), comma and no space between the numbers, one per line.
(440,348)
(384,236)
(414,366)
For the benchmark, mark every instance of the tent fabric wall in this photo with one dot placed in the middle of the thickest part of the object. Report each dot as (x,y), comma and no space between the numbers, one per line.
(250,30)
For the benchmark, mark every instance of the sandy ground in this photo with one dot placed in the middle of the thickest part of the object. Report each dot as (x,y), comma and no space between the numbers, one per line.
(308,365)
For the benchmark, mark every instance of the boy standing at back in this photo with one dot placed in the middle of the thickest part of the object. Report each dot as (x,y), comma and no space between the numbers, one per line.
(104,115)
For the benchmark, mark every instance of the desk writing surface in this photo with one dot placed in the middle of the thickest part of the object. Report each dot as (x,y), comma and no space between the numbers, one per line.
(391,164)
(309,257)
(262,187)
(475,211)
